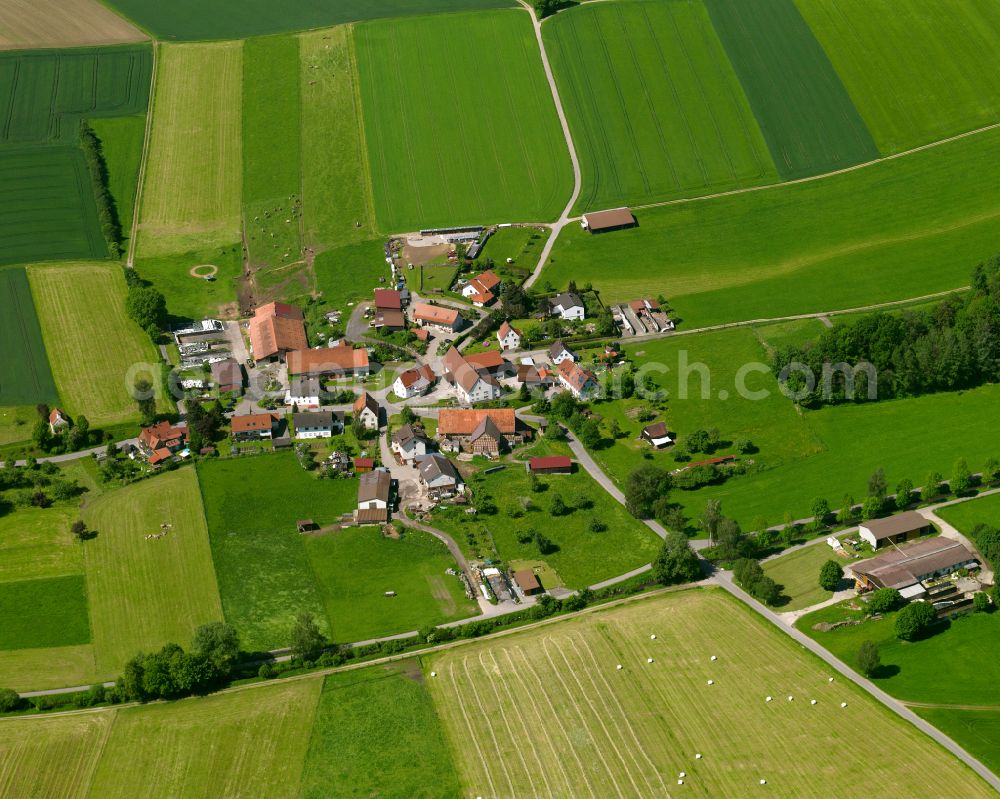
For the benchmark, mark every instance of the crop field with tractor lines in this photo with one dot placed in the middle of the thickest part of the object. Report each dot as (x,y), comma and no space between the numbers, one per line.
(483,146)
(25,377)
(917,72)
(655,108)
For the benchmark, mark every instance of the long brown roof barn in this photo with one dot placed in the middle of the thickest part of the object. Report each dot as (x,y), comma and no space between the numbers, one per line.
(613,219)
(904,566)
(277,328)
(328,360)
(901,523)
(464,421)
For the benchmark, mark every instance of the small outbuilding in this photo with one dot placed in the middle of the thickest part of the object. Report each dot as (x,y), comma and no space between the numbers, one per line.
(528,582)
(306,525)
(554,464)
(895,529)
(605,221)
(657,435)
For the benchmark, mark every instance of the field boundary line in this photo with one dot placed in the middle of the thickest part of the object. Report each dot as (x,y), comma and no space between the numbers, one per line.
(472,732)
(813,178)
(947,706)
(147,137)
(483,714)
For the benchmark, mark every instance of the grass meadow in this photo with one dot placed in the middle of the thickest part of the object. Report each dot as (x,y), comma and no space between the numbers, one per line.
(546,711)
(145,593)
(218,19)
(336,187)
(26,377)
(190,297)
(806,115)
(42,668)
(45,757)
(37,543)
(43,613)
(928,220)
(355,567)
(264,573)
(583,557)
(355,709)
(272,178)
(654,105)
(966,515)
(91,371)
(976,730)
(798,575)
(350,272)
(917,72)
(455,139)
(248,743)
(122,140)
(947,668)
(191,193)
(62,23)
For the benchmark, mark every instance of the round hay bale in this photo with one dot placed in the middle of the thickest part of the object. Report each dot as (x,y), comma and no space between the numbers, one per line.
(711,682)
(649,660)
(812,701)
(698,756)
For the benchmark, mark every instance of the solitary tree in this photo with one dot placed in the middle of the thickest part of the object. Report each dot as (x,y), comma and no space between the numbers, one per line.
(871,507)
(79,529)
(308,640)
(877,484)
(980,602)
(883,600)
(558,506)
(820,510)
(904,494)
(868,659)
(932,485)
(643,487)
(9,700)
(711,517)
(142,392)
(830,575)
(913,620)
(846,511)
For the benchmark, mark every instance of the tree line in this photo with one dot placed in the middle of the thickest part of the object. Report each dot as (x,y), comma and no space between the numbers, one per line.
(953,345)
(107,211)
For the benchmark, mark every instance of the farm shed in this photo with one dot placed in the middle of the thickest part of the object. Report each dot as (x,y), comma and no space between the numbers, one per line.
(657,435)
(527,581)
(605,221)
(904,567)
(554,464)
(895,529)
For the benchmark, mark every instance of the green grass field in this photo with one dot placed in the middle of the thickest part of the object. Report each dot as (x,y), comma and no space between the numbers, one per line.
(976,730)
(584,557)
(655,108)
(191,193)
(30,748)
(56,216)
(265,577)
(946,668)
(805,113)
(190,297)
(349,273)
(36,543)
(770,423)
(966,515)
(43,668)
(798,575)
(357,708)
(218,19)
(250,743)
(145,593)
(355,567)
(121,142)
(803,248)
(546,712)
(91,343)
(23,363)
(336,186)
(918,72)
(453,145)
(272,180)
(43,613)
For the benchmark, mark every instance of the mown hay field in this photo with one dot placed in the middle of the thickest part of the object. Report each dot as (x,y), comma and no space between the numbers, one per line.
(147,592)
(24,366)
(547,713)
(455,138)
(966,515)
(62,23)
(36,543)
(43,758)
(192,188)
(43,613)
(655,108)
(92,344)
(220,19)
(805,113)
(927,220)
(917,72)
(251,743)
(336,186)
